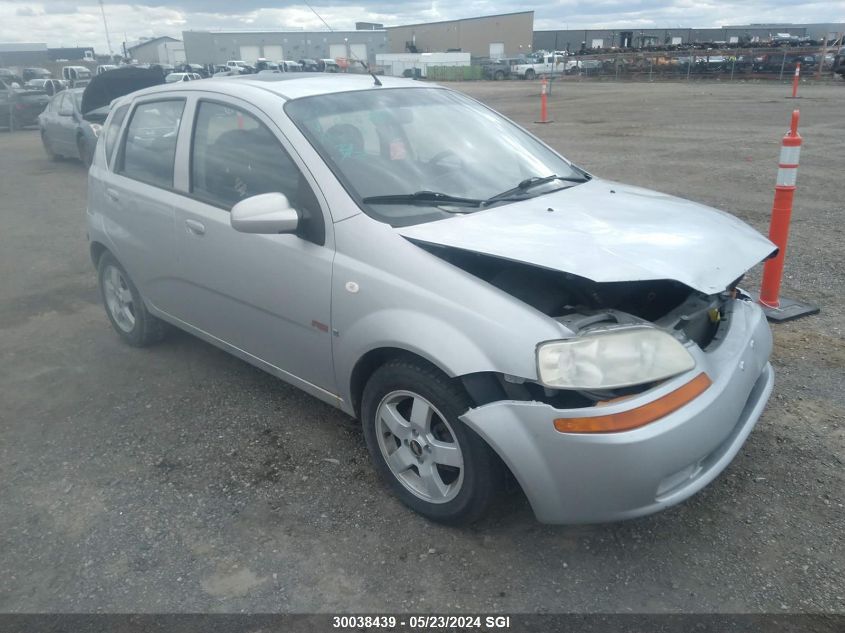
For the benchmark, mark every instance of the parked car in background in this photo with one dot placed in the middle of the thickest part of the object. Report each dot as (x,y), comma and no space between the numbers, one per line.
(542,64)
(76,76)
(20,106)
(239,66)
(582,66)
(52,86)
(785,39)
(174,77)
(309,65)
(774,62)
(406,254)
(265,64)
(36,84)
(64,131)
(35,73)
(328,66)
(287,66)
(199,69)
(495,69)
(70,125)
(10,77)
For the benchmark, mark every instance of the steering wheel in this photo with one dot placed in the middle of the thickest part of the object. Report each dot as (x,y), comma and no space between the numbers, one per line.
(442,172)
(445,169)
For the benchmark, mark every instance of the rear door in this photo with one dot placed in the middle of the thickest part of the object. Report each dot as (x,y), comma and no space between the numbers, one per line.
(64,130)
(48,118)
(266,295)
(141,200)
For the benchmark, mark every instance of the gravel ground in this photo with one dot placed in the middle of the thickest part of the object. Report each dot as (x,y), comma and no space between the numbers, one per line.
(178,478)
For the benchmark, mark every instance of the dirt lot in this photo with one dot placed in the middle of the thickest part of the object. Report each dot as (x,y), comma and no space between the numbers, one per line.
(180,479)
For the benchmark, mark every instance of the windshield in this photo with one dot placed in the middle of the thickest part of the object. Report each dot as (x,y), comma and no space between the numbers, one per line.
(391,143)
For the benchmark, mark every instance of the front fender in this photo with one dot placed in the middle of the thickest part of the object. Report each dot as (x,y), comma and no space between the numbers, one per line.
(429,337)
(389,293)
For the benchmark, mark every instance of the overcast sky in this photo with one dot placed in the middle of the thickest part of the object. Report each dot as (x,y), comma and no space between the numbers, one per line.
(79,22)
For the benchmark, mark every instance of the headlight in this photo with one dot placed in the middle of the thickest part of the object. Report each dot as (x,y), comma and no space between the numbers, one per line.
(95,128)
(612,358)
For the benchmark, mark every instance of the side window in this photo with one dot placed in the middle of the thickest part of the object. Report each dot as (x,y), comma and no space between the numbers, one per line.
(114,129)
(234,156)
(149,148)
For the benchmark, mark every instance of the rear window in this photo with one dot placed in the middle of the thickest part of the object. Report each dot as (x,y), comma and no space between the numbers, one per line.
(149,147)
(113,130)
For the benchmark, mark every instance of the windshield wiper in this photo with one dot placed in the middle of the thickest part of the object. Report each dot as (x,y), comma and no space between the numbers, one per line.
(516,192)
(431,198)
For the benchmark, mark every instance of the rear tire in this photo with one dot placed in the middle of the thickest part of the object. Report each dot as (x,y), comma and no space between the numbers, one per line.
(125,306)
(498,75)
(432,461)
(530,74)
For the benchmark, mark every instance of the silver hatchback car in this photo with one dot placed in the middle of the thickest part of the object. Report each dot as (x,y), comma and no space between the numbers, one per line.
(408,255)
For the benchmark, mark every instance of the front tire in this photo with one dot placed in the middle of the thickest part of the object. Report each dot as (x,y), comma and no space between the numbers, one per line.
(433,462)
(125,307)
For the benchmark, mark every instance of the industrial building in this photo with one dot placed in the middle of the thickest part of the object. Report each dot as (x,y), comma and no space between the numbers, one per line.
(158,50)
(217,47)
(23,54)
(493,36)
(576,39)
(36,54)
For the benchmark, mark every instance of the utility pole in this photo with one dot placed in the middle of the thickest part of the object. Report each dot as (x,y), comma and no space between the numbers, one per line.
(106,27)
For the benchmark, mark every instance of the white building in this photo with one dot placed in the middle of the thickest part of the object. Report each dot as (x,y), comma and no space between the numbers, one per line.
(159,50)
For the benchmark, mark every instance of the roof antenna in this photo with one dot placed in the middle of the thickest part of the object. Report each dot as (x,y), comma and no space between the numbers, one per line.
(354,56)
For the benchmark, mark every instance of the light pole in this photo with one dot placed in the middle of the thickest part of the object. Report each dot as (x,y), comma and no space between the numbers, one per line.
(106,27)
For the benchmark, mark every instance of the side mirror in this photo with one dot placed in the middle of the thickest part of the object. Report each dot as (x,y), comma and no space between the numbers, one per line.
(266,213)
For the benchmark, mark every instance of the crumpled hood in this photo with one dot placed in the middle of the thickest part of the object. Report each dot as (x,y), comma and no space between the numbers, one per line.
(606,231)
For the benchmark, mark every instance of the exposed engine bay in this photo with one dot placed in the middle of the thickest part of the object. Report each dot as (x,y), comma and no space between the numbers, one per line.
(581,304)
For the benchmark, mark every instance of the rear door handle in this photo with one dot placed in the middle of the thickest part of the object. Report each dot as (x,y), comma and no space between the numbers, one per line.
(113,194)
(197,228)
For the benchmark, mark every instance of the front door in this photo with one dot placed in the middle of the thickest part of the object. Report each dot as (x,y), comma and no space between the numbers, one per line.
(266,295)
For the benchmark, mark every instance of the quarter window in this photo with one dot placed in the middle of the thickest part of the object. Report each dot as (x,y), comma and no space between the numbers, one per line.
(150,146)
(234,156)
(113,129)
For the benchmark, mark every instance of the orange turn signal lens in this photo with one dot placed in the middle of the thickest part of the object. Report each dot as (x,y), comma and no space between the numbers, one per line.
(640,416)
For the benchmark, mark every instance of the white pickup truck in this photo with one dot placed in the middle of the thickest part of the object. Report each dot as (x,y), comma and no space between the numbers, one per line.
(544,64)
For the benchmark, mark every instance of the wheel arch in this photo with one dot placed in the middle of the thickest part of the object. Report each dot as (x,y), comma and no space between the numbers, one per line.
(96,250)
(481,387)
(366,366)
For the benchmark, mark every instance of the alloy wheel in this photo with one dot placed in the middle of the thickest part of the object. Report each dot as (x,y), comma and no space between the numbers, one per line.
(419,446)
(119,299)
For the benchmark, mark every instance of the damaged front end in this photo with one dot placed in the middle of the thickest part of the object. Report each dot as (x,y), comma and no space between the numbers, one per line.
(588,455)
(588,308)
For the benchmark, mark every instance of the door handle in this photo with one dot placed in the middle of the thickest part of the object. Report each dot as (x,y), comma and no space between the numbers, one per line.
(197,228)
(113,194)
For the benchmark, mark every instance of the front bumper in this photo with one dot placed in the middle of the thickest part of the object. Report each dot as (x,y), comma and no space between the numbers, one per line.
(593,478)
